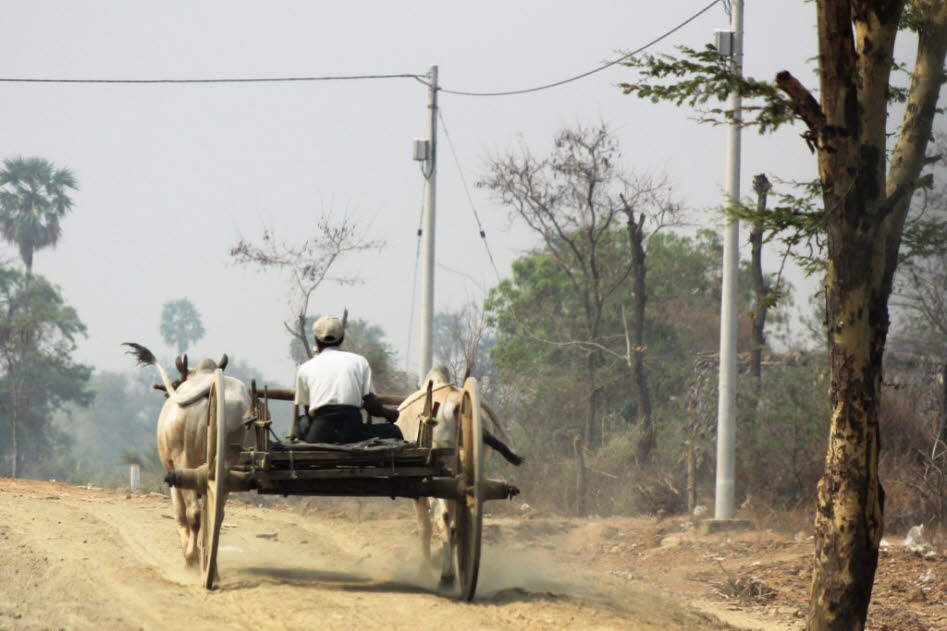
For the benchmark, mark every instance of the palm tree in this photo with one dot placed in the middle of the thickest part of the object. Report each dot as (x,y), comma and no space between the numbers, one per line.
(33,199)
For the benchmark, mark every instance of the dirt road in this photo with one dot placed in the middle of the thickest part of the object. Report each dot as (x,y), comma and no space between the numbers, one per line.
(76,558)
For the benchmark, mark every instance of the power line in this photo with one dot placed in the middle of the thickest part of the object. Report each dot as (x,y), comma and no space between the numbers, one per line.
(218,79)
(416,77)
(584,74)
(414,286)
(483,234)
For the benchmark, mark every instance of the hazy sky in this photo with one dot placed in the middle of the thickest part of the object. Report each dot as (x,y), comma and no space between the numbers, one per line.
(171,176)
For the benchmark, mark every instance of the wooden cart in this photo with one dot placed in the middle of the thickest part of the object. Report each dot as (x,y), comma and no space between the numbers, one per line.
(379,468)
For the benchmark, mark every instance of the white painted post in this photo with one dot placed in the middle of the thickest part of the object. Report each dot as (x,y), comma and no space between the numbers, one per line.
(425,354)
(134,474)
(726,408)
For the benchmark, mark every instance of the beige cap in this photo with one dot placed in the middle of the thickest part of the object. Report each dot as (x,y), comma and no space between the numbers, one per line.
(328,329)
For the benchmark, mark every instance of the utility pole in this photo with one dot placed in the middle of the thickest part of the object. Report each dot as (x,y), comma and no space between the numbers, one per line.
(429,168)
(726,408)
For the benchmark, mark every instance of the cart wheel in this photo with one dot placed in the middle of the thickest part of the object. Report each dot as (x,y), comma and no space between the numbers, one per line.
(212,505)
(468,513)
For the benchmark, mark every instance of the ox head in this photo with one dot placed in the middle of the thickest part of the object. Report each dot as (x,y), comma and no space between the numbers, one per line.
(205,365)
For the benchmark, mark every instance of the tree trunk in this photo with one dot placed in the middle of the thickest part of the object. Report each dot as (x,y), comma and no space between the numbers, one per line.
(301,334)
(591,411)
(761,186)
(14,424)
(941,447)
(16,453)
(849,516)
(634,336)
(581,480)
(691,478)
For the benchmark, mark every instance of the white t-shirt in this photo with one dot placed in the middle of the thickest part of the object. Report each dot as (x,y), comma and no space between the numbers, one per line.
(333,377)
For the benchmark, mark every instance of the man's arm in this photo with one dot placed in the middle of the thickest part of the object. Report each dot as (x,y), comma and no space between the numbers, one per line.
(374,407)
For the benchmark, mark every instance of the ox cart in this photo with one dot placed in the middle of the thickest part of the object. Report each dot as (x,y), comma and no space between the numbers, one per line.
(379,468)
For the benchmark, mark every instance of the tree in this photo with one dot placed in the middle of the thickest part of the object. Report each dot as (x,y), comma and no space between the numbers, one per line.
(865,194)
(653,196)
(181,324)
(308,263)
(34,197)
(573,200)
(38,375)
(529,311)
(761,293)
(462,343)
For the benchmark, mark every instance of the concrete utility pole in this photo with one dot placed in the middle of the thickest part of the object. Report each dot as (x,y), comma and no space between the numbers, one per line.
(425,355)
(726,422)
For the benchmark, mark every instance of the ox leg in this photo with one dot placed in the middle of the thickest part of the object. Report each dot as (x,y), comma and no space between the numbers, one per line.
(191,551)
(443,514)
(180,516)
(423,512)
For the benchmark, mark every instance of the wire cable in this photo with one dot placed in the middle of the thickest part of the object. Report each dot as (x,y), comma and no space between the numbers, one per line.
(483,234)
(218,80)
(414,286)
(416,77)
(584,74)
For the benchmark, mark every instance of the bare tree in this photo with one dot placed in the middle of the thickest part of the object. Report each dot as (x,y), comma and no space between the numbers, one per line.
(573,199)
(308,263)
(760,293)
(459,338)
(647,195)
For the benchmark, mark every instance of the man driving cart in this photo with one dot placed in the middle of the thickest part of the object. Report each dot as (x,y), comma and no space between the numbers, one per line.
(332,389)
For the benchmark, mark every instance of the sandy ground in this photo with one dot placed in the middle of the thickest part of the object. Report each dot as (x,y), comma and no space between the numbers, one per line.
(78,558)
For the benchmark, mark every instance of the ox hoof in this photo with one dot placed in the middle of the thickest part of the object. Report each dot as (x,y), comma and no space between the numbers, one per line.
(446,583)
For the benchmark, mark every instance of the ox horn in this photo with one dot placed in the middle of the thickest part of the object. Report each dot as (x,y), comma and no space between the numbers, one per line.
(223,361)
(180,363)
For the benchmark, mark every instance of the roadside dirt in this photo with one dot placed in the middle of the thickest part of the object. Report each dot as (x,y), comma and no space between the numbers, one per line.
(78,558)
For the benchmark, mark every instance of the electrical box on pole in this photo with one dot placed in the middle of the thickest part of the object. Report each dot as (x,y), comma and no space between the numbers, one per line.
(420,150)
(723,42)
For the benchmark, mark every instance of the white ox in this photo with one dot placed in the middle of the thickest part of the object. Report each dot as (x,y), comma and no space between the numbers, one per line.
(411,411)
(182,432)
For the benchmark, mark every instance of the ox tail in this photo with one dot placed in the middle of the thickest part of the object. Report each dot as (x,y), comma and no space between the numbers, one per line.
(146,358)
(490,414)
(492,441)
(142,354)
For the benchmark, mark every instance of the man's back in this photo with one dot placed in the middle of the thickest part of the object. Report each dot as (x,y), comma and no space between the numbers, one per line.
(333,377)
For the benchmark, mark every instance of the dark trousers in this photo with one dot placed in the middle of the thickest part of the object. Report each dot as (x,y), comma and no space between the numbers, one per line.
(339,424)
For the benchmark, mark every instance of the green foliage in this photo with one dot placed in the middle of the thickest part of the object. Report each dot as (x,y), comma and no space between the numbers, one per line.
(781,441)
(38,376)
(544,395)
(701,76)
(33,199)
(180,324)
